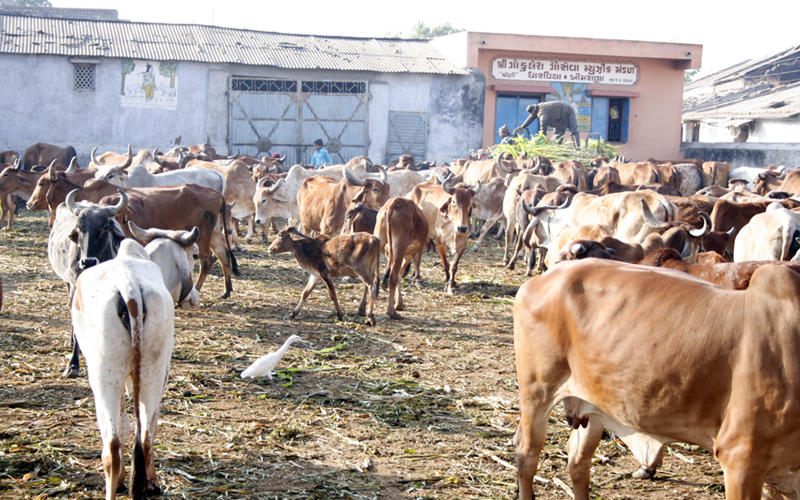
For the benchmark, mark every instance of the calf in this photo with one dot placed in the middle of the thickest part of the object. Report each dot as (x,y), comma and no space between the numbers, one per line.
(326,258)
(403,232)
(174,252)
(122,315)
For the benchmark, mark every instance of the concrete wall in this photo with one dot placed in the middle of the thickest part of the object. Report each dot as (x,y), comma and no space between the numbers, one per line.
(40,105)
(744,154)
(769,131)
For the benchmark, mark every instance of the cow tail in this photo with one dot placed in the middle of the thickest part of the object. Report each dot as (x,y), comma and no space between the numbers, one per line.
(133,306)
(788,239)
(228,251)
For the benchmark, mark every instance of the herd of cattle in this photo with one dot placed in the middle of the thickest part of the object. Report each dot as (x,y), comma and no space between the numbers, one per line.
(685,331)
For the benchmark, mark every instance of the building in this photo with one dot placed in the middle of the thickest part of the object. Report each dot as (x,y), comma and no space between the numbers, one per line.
(748,114)
(627,92)
(86,79)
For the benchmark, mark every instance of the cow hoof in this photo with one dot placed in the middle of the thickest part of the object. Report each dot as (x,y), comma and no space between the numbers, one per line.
(224,295)
(419,283)
(475,249)
(362,312)
(152,488)
(400,307)
(393,315)
(292,315)
(122,487)
(644,473)
(71,372)
(370,321)
(510,267)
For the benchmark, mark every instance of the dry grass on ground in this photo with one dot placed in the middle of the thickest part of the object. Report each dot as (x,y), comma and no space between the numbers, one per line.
(424,407)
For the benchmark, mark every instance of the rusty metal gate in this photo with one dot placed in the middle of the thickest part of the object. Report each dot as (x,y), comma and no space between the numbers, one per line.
(286,116)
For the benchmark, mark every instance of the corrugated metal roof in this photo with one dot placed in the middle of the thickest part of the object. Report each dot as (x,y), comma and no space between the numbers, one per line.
(213,44)
(776,105)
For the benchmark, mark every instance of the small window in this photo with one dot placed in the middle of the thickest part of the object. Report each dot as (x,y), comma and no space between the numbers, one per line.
(83,77)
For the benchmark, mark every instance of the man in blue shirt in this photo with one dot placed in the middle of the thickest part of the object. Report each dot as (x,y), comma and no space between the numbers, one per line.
(321,156)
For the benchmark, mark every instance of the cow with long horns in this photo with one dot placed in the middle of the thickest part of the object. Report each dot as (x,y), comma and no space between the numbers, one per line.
(83,235)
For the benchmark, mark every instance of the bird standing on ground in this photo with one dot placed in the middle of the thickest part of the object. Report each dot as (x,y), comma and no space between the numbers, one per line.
(265,364)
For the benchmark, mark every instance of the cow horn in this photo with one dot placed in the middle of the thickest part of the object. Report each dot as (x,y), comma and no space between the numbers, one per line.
(130,158)
(450,182)
(94,158)
(121,204)
(73,166)
(182,158)
(537,165)
(782,175)
(52,174)
(537,210)
(143,235)
(189,237)
(700,232)
(261,182)
(155,157)
(384,175)
(500,165)
(650,218)
(17,164)
(234,156)
(529,208)
(526,236)
(731,231)
(475,188)
(70,201)
(351,178)
(277,185)
(282,158)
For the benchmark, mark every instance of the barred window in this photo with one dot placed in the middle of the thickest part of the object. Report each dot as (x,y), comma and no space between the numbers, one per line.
(335,87)
(262,85)
(83,77)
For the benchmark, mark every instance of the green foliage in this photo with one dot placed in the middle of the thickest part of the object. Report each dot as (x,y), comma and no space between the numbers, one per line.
(25,3)
(689,75)
(422,31)
(541,145)
(127,68)
(168,69)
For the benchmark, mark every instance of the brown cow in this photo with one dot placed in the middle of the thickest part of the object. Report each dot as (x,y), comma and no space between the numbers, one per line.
(8,158)
(323,202)
(403,232)
(728,215)
(637,173)
(180,208)
(360,219)
(715,378)
(72,178)
(167,163)
(571,172)
(447,211)
(44,154)
(770,181)
(715,173)
(15,182)
(327,258)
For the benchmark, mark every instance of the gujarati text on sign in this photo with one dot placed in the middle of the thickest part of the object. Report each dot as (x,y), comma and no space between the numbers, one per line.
(556,70)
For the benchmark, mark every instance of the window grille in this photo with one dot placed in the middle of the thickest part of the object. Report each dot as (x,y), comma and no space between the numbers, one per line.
(335,87)
(261,85)
(83,77)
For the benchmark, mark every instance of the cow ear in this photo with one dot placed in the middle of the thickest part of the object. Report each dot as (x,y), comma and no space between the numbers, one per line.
(443,208)
(116,230)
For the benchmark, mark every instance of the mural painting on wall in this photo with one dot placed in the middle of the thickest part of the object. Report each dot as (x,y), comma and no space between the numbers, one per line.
(149,84)
(574,94)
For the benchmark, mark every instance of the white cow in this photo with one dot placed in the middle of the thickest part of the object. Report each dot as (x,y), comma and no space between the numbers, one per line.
(174,252)
(768,235)
(139,176)
(122,315)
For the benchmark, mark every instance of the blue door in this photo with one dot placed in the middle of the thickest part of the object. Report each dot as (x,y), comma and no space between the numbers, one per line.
(511,113)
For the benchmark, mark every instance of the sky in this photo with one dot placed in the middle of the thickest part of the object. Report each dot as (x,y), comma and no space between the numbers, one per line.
(730,31)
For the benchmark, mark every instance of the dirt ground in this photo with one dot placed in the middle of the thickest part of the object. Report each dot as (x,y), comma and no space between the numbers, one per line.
(424,407)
